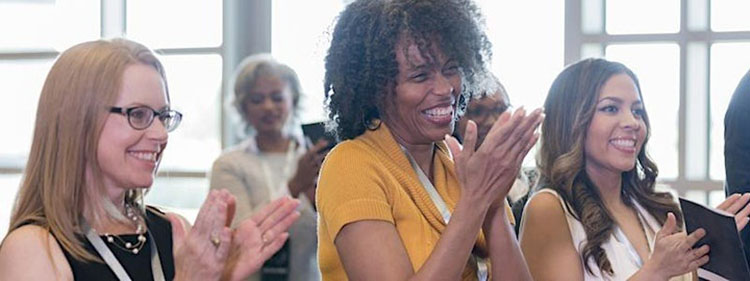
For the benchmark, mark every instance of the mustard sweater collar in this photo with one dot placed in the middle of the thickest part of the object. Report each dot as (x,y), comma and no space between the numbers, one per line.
(444,175)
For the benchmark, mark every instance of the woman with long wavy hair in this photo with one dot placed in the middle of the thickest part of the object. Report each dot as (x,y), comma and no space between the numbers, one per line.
(597,215)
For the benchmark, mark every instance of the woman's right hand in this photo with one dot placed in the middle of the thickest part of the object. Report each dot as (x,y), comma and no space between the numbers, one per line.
(488,172)
(673,253)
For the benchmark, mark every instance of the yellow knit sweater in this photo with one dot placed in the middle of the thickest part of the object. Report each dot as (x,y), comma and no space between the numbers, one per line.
(370,178)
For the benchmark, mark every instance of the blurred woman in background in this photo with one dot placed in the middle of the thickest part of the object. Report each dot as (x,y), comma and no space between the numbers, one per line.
(273,161)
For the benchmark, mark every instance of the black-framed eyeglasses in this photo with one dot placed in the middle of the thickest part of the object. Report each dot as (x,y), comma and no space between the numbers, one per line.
(141,117)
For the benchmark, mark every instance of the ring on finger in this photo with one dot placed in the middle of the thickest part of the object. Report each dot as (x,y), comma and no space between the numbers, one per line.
(215,240)
(266,237)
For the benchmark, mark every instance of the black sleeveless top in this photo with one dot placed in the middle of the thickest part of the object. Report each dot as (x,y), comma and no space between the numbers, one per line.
(138,265)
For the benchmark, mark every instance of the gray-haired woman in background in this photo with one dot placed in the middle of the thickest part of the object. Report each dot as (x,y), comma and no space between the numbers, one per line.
(273,161)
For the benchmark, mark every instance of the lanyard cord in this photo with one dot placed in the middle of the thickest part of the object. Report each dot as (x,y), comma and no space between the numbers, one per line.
(114,264)
(482,267)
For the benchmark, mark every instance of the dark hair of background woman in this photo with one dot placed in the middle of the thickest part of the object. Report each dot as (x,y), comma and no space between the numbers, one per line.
(569,108)
(361,62)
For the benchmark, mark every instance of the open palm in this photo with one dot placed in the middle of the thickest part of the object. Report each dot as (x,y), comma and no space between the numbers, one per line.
(257,238)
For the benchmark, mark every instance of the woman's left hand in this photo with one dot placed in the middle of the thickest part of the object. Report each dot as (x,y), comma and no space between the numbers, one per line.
(308,167)
(257,238)
(201,251)
(736,205)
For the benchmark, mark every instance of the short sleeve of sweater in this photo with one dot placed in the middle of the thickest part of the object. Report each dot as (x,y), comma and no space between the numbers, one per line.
(351,188)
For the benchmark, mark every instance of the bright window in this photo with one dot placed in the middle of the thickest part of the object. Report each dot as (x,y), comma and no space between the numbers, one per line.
(160,24)
(642,16)
(21,86)
(194,86)
(527,78)
(303,46)
(47,24)
(688,69)
(189,41)
(730,15)
(517,29)
(8,188)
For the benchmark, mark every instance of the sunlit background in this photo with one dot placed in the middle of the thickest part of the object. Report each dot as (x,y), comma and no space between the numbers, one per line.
(688,54)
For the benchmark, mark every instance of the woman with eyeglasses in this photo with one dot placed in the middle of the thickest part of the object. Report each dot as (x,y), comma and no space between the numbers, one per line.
(102,125)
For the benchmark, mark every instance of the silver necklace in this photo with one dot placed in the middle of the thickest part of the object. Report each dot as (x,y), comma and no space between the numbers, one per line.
(114,264)
(128,246)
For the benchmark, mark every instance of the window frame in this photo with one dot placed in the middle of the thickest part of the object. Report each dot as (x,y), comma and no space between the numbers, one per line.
(239,42)
(695,31)
(113,21)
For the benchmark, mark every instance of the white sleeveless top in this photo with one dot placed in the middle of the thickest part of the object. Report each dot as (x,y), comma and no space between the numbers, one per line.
(621,254)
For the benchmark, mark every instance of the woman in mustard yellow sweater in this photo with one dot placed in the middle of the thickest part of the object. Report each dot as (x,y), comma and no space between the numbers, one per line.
(395,201)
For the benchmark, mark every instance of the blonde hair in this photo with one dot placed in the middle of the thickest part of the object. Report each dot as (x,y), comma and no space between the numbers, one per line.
(55,191)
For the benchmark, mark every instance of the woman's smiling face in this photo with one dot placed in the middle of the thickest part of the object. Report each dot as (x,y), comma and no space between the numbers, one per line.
(129,157)
(422,108)
(617,130)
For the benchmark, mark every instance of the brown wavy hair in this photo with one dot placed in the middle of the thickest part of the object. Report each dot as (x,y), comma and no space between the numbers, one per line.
(361,62)
(569,108)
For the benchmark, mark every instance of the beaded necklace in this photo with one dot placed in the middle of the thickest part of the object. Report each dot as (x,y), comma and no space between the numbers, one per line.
(127,246)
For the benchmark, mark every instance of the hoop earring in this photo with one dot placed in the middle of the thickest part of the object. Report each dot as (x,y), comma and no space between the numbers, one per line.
(370,124)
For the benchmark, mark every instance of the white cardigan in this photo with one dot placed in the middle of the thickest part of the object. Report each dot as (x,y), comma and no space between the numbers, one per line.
(240,170)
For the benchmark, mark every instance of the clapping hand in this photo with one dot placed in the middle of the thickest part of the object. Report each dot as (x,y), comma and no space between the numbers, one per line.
(201,251)
(490,170)
(673,253)
(210,250)
(257,238)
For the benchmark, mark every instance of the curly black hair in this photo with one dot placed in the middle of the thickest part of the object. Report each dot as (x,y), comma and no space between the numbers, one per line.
(361,64)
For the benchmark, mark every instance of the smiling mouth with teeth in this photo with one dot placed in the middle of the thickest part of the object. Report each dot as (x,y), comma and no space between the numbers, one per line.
(146,156)
(439,111)
(624,142)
